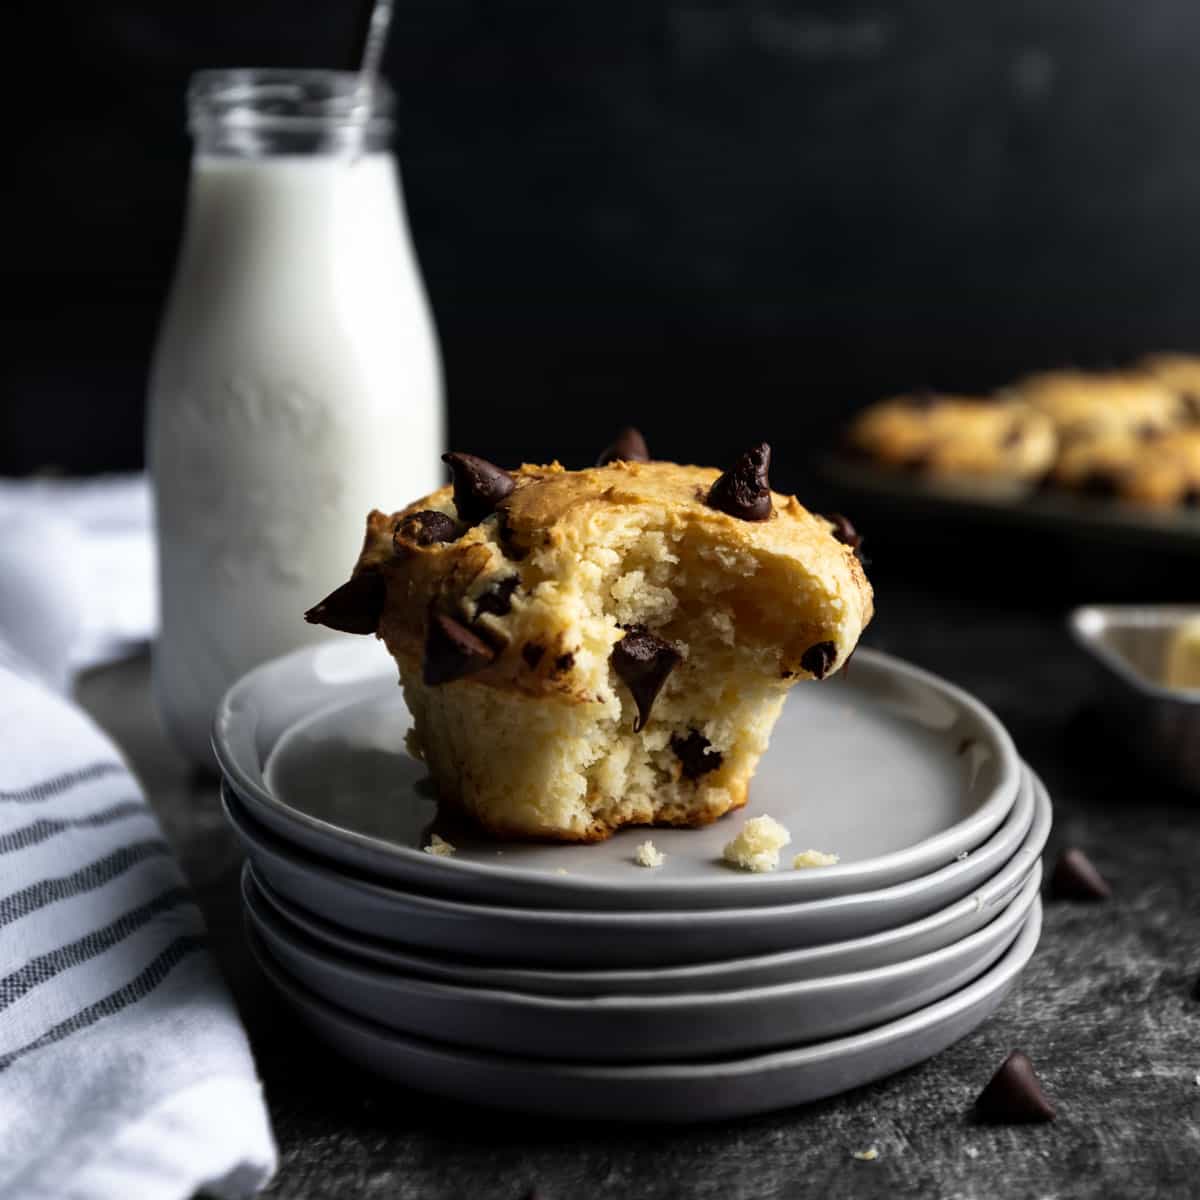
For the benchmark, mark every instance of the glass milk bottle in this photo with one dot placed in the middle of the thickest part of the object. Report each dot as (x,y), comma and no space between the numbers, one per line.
(296,382)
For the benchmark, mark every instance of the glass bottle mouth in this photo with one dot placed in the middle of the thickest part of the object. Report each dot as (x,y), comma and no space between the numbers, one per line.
(251,111)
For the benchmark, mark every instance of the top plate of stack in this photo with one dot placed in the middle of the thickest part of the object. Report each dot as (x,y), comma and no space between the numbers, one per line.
(891,768)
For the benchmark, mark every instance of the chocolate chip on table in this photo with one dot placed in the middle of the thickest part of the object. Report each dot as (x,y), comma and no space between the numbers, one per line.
(497,600)
(479,486)
(744,490)
(818,658)
(1075,878)
(629,446)
(642,663)
(355,607)
(695,754)
(1014,1095)
(452,651)
(427,527)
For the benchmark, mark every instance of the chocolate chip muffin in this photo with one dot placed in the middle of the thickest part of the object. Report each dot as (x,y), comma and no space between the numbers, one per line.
(957,436)
(1181,373)
(1087,404)
(1166,472)
(584,650)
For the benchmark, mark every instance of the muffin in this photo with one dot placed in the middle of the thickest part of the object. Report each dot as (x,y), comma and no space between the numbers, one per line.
(1181,373)
(1166,472)
(585,650)
(957,436)
(1086,404)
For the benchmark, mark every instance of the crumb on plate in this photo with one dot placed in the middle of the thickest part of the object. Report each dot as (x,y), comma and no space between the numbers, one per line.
(868,1155)
(814,858)
(757,846)
(648,855)
(439,847)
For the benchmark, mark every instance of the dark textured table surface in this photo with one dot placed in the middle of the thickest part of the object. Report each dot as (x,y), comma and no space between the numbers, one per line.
(1105,1008)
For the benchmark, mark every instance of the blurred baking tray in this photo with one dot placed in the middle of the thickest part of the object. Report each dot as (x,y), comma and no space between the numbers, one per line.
(1073,516)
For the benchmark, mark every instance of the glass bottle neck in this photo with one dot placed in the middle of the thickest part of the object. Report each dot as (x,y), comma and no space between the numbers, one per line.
(255,113)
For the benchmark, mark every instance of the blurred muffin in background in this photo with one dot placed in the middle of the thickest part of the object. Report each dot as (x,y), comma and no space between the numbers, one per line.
(1181,373)
(1095,404)
(1166,473)
(948,436)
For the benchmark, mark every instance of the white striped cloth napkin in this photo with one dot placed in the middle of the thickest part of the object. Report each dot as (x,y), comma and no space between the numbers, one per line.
(124,1071)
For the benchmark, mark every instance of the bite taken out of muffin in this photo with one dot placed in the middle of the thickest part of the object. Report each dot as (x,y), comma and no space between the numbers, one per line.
(585,650)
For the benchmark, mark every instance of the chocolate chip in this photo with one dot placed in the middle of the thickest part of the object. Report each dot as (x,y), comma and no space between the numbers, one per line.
(1191,404)
(844,531)
(642,663)
(1191,498)
(479,486)
(355,607)
(1014,1095)
(563,663)
(427,527)
(1014,437)
(532,653)
(1075,878)
(1145,432)
(452,651)
(1099,483)
(629,446)
(695,754)
(922,398)
(818,658)
(744,490)
(497,600)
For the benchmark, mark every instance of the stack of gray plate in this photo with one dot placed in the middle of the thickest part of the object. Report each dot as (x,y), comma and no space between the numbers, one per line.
(569,980)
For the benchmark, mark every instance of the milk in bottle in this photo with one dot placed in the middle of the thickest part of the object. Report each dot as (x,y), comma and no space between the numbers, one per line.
(296,382)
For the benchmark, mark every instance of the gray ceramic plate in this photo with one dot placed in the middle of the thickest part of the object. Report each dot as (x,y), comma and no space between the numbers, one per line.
(623,939)
(635,1028)
(935,932)
(885,765)
(662,1092)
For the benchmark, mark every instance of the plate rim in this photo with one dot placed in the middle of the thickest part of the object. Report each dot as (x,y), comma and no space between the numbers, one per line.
(1008,920)
(466,909)
(994,979)
(414,867)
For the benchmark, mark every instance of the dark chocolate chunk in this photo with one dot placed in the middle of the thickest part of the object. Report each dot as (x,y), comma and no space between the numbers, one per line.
(844,531)
(355,607)
(643,662)
(922,398)
(1146,432)
(1099,483)
(1191,498)
(532,653)
(695,753)
(818,658)
(563,663)
(479,486)
(497,600)
(629,446)
(427,527)
(452,651)
(1191,404)
(1014,1095)
(1075,878)
(744,490)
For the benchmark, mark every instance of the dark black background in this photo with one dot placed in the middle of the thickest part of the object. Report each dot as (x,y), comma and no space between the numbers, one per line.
(721,220)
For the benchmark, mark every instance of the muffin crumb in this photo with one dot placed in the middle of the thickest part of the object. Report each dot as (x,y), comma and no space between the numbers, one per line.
(439,847)
(814,858)
(757,846)
(868,1155)
(648,855)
